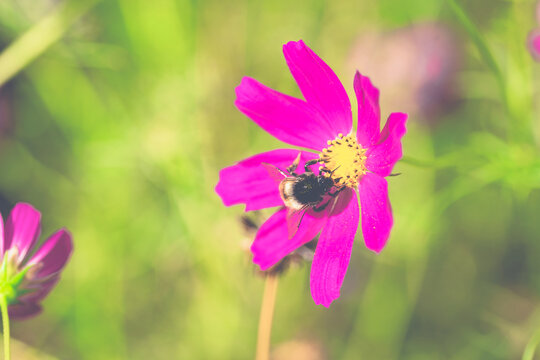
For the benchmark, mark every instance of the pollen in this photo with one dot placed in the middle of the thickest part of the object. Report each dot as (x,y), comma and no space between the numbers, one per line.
(344,160)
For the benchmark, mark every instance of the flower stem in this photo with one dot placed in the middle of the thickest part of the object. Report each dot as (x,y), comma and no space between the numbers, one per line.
(265,320)
(40,37)
(530,349)
(5,326)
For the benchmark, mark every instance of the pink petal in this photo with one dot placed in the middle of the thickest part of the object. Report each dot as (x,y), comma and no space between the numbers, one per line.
(40,290)
(287,118)
(272,243)
(23,310)
(320,87)
(248,182)
(22,229)
(369,116)
(382,157)
(334,250)
(53,254)
(377,218)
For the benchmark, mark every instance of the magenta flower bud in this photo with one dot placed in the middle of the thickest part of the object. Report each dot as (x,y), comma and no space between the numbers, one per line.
(28,273)
(345,167)
(533,43)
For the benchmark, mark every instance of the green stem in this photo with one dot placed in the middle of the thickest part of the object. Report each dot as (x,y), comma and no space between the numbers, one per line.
(481,45)
(5,327)
(40,37)
(530,349)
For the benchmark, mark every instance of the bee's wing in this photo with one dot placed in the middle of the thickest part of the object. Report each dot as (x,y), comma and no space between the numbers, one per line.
(294,218)
(275,173)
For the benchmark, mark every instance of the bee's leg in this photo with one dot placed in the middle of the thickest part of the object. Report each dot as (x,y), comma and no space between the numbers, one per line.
(326,171)
(291,169)
(309,163)
(302,218)
(395,174)
(334,194)
(321,207)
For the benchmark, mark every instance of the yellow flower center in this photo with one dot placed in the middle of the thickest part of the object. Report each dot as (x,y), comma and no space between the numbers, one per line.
(344,161)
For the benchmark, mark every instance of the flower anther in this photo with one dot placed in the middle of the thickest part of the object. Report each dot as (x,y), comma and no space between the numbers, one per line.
(344,161)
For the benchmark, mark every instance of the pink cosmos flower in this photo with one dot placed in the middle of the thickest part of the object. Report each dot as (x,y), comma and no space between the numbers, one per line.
(29,272)
(359,163)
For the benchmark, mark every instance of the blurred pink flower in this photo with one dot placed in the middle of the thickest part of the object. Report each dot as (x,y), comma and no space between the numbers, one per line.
(422,58)
(533,39)
(27,276)
(533,43)
(359,164)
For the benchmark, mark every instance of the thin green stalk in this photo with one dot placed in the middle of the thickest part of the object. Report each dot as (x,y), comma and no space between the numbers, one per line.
(5,327)
(530,349)
(40,37)
(481,45)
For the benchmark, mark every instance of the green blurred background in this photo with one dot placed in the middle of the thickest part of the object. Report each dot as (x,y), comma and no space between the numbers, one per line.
(118,114)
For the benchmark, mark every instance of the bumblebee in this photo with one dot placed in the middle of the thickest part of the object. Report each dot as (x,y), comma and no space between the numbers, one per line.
(307,190)
(301,192)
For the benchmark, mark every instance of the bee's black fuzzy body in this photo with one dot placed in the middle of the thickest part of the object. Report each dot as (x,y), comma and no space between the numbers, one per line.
(304,190)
